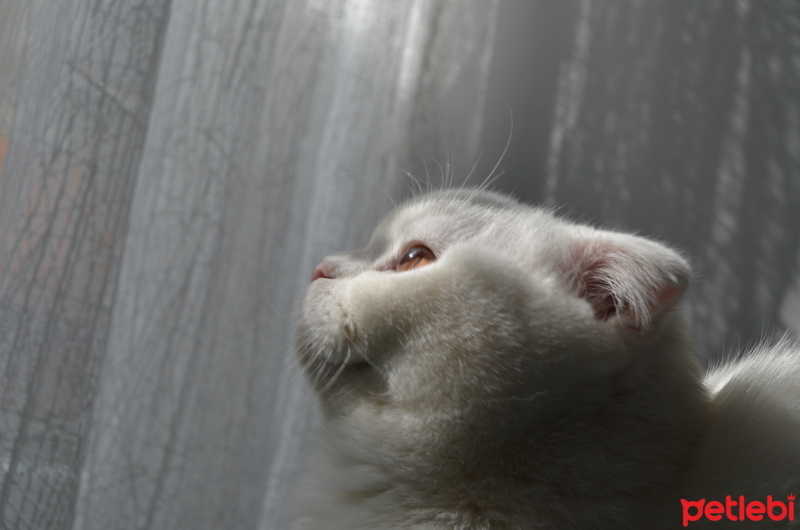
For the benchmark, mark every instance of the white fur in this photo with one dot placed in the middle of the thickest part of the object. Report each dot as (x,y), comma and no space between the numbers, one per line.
(537,375)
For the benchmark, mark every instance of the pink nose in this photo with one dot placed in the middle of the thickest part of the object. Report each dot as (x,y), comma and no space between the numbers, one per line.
(323,270)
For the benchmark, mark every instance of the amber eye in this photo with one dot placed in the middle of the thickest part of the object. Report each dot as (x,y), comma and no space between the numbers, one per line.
(416,256)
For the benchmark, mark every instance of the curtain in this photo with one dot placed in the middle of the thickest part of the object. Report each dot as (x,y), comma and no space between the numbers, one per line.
(172,170)
(678,120)
(175,169)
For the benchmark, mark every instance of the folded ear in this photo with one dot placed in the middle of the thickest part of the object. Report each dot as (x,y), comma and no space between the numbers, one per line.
(626,276)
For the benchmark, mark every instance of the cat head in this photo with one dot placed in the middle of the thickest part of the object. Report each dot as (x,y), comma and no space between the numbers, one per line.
(465,296)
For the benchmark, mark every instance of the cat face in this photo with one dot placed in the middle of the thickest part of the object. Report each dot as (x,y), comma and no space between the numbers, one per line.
(465,297)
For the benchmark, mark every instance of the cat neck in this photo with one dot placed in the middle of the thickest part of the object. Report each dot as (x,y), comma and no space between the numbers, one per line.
(634,430)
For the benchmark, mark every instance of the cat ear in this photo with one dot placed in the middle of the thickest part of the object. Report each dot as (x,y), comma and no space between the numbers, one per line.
(626,276)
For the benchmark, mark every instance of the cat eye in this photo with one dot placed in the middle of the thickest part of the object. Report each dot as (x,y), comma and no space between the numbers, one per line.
(416,256)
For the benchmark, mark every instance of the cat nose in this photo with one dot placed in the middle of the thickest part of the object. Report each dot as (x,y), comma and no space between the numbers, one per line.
(323,270)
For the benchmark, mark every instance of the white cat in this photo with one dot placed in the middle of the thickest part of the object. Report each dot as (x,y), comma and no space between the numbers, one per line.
(482,364)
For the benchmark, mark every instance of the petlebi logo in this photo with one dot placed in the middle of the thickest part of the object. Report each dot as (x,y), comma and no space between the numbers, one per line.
(739,509)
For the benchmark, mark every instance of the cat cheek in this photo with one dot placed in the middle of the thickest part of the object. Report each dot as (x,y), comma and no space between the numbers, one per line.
(372,300)
(386,306)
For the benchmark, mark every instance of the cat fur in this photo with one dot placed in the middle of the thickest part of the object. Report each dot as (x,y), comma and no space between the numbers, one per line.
(538,374)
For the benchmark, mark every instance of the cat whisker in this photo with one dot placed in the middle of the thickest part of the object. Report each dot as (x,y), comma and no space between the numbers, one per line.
(509,399)
(417,184)
(449,168)
(295,369)
(427,174)
(338,372)
(472,171)
(367,360)
(492,176)
(319,373)
(315,365)
(442,172)
(371,182)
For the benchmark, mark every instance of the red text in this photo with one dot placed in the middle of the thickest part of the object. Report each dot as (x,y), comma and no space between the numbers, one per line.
(738,509)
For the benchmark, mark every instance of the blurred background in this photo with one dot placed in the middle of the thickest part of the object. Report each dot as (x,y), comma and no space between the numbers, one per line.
(172,170)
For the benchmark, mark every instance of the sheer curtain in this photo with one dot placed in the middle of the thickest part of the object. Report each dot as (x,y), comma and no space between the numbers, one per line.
(173,169)
(679,120)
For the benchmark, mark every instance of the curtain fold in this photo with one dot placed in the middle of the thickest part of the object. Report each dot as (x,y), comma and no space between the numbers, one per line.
(80,118)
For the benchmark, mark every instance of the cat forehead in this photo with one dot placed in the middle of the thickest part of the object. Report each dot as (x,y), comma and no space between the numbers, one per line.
(449,210)
(462,212)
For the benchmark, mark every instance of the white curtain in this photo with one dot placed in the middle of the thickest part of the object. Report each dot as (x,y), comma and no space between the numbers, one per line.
(679,120)
(175,169)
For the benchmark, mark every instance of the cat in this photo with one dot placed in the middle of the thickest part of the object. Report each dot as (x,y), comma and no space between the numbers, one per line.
(484,364)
